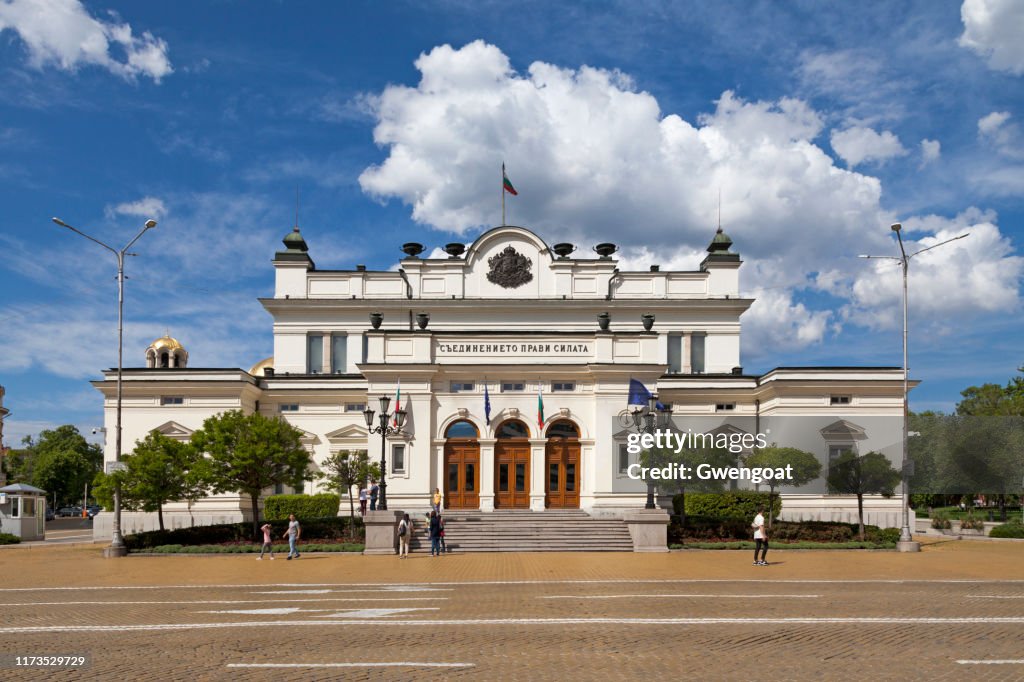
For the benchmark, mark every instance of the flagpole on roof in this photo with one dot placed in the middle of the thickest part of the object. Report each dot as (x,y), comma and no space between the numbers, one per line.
(502,192)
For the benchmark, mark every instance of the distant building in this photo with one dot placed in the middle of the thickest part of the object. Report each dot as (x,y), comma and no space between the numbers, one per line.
(528,322)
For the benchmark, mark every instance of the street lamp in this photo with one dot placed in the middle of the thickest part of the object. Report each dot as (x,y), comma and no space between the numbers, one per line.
(384,429)
(645,419)
(117,547)
(906,542)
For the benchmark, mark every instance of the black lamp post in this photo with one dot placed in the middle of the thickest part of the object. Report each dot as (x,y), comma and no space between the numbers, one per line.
(384,429)
(645,419)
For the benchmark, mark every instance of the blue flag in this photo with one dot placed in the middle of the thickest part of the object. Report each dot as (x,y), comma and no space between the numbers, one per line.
(487,404)
(639,395)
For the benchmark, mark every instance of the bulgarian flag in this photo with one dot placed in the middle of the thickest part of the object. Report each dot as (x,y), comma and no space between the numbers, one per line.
(540,408)
(506,183)
(398,402)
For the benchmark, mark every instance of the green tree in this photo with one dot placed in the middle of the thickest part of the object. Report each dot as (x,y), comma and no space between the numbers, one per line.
(161,470)
(869,474)
(691,459)
(250,453)
(993,400)
(348,468)
(19,463)
(805,468)
(63,463)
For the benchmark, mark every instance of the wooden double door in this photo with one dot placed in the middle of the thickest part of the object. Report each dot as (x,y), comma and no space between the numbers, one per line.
(562,474)
(462,475)
(512,474)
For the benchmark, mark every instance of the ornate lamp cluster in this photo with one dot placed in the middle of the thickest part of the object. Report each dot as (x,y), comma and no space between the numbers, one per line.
(646,419)
(385,429)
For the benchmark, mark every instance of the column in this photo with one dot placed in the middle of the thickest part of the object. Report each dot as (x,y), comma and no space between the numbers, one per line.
(487,474)
(538,466)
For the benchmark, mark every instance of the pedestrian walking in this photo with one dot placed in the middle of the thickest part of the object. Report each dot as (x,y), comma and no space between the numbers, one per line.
(362,500)
(440,522)
(268,545)
(760,538)
(404,536)
(437,500)
(293,533)
(374,492)
(435,534)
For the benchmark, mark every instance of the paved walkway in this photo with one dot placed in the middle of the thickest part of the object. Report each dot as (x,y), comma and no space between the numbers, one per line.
(694,614)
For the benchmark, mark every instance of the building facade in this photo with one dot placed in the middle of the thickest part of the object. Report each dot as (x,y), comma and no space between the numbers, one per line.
(513,360)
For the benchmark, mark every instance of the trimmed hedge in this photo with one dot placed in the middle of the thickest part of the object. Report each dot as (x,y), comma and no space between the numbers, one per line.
(8,539)
(1013,529)
(738,504)
(330,528)
(792,545)
(703,528)
(278,507)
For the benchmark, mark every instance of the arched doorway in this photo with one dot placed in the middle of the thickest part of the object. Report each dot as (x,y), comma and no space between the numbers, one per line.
(512,465)
(461,466)
(562,459)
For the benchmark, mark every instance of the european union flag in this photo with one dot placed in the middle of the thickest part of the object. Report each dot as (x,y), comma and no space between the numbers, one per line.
(639,395)
(487,404)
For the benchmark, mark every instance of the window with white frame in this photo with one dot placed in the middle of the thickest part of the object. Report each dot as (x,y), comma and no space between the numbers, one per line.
(398,458)
(563,386)
(512,386)
(172,400)
(355,407)
(288,407)
(314,353)
(697,342)
(462,387)
(839,400)
(675,353)
(725,407)
(623,459)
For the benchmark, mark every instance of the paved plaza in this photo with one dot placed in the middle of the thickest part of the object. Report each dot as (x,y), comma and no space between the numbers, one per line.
(954,611)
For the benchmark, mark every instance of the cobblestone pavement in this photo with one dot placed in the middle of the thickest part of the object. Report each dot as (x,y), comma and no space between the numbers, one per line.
(689,615)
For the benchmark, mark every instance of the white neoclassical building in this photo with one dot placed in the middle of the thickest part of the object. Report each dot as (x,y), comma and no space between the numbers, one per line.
(523,322)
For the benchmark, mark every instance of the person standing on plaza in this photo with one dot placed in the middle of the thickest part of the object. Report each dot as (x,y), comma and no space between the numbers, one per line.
(293,533)
(268,545)
(404,536)
(374,491)
(760,538)
(437,500)
(362,500)
(440,522)
(435,534)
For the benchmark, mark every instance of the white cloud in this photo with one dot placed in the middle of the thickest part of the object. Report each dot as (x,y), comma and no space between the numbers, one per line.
(1002,133)
(931,150)
(63,33)
(857,145)
(146,207)
(595,160)
(993,29)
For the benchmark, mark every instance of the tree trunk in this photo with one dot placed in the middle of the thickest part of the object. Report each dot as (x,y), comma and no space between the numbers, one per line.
(256,516)
(860,514)
(160,515)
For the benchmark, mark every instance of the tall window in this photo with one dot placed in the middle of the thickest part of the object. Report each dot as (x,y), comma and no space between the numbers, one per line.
(623,458)
(398,458)
(697,352)
(338,356)
(675,353)
(314,353)
(366,346)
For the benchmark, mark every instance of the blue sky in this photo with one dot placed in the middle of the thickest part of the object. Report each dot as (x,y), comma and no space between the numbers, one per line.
(819,123)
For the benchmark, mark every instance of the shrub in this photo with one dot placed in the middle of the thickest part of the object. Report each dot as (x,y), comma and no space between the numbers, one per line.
(278,507)
(940,521)
(739,504)
(972,522)
(702,528)
(330,528)
(8,539)
(1013,529)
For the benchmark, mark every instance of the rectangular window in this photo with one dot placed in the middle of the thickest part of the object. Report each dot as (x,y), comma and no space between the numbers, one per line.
(697,353)
(398,459)
(462,387)
(725,407)
(15,507)
(314,353)
(172,400)
(339,361)
(623,458)
(520,477)
(470,477)
(355,407)
(366,347)
(839,400)
(675,353)
(570,477)
(290,407)
(503,478)
(553,477)
(28,507)
(834,451)
(279,488)
(512,387)
(563,386)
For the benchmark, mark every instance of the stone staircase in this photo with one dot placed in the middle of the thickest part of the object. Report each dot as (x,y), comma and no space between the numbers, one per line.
(569,530)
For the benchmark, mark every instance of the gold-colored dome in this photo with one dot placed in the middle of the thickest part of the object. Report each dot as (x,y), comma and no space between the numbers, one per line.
(166,343)
(257,369)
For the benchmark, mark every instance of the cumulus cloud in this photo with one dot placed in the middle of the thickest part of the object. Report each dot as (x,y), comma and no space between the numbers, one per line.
(1002,133)
(931,150)
(146,207)
(64,34)
(993,29)
(857,145)
(595,159)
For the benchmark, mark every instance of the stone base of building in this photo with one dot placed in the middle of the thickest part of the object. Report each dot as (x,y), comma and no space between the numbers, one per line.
(381,531)
(878,511)
(140,522)
(649,529)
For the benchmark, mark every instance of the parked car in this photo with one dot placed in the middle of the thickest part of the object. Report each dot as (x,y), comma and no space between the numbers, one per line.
(50,515)
(93,510)
(69,511)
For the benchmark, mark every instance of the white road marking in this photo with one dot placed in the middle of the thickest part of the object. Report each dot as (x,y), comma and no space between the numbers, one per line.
(283,611)
(227,601)
(416,587)
(684,596)
(997,620)
(406,589)
(296,592)
(995,596)
(396,664)
(376,613)
(1005,661)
